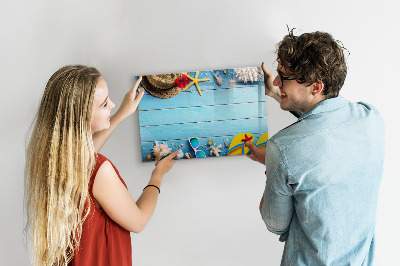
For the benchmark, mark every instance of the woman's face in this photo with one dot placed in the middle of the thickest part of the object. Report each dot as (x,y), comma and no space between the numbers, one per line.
(102,106)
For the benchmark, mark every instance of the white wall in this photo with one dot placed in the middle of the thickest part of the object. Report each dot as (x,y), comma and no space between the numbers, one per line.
(208,209)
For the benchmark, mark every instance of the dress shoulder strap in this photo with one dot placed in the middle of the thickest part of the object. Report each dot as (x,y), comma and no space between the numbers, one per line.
(100,159)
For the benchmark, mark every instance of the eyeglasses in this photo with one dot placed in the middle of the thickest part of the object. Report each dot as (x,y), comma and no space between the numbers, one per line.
(282,78)
(195,143)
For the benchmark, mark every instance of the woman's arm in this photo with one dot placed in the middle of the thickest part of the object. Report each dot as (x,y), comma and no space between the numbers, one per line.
(128,107)
(116,201)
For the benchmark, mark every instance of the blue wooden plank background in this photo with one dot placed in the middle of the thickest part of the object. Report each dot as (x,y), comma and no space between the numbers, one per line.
(202,113)
(210,96)
(218,115)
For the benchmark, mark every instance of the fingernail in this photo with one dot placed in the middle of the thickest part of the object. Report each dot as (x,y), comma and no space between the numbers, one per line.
(141,89)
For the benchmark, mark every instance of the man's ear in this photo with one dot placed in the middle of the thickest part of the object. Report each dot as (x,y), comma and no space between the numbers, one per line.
(317,88)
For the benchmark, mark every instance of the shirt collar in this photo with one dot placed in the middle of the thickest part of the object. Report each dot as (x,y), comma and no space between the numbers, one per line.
(325,106)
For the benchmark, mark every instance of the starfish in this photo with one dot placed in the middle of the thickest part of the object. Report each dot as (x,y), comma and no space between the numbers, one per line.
(216,150)
(195,81)
(246,138)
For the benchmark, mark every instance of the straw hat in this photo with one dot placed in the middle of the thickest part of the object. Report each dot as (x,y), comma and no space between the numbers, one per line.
(162,86)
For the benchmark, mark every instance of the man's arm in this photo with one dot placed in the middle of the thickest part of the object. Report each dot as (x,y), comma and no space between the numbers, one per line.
(276,206)
(270,89)
(276,211)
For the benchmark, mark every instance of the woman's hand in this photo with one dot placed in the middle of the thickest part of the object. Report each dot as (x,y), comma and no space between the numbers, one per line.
(163,166)
(270,89)
(131,100)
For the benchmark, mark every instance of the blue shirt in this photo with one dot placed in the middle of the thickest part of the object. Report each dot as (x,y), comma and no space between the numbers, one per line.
(323,176)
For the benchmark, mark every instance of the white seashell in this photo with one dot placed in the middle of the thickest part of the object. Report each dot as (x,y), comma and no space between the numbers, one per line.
(179,155)
(218,78)
(161,150)
(248,74)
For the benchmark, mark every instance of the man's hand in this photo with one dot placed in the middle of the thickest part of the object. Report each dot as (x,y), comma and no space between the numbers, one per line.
(270,89)
(258,154)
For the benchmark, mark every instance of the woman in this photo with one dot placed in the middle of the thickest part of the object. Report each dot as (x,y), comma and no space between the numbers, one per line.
(78,207)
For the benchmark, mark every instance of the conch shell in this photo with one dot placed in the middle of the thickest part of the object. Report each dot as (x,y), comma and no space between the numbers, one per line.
(161,150)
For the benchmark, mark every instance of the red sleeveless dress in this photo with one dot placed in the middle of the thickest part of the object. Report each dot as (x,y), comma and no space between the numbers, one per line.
(103,241)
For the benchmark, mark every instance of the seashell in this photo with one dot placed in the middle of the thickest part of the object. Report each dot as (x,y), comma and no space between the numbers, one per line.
(226,145)
(232,83)
(188,156)
(218,78)
(248,74)
(161,150)
(179,155)
(209,142)
(148,157)
(224,71)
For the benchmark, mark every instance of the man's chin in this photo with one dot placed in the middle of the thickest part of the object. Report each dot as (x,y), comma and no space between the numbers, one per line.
(285,108)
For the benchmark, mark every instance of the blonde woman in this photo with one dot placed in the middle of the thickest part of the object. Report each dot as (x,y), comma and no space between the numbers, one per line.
(79,211)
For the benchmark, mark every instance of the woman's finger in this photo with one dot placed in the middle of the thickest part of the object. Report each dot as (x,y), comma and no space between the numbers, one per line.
(136,85)
(139,96)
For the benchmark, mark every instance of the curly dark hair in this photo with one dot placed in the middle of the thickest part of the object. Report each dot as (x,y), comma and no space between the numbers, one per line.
(314,57)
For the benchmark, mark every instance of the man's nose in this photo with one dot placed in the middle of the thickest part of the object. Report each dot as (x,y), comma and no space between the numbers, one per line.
(277,81)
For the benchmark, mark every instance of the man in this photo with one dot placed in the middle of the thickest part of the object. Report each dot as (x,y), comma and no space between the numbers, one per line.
(323,171)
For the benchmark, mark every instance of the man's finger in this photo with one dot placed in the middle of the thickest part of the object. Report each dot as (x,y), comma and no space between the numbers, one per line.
(265,69)
(251,156)
(251,145)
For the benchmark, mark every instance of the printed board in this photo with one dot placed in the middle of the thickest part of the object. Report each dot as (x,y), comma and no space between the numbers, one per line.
(202,113)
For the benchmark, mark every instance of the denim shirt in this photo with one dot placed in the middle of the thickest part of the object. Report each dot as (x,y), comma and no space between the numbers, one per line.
(323,176)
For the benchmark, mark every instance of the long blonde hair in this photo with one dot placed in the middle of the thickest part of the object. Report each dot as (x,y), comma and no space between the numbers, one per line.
(59,162)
